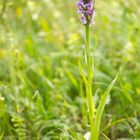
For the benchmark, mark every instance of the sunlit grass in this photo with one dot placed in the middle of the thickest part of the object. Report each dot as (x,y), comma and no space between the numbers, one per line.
(42,94)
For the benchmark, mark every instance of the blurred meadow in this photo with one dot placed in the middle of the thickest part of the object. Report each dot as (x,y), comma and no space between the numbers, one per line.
(42,95)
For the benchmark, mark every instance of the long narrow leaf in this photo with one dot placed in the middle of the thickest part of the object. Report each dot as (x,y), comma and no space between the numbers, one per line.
(101,108)
(1,136)
(82,73)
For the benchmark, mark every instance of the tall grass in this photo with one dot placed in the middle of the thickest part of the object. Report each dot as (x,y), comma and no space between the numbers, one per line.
(42,94)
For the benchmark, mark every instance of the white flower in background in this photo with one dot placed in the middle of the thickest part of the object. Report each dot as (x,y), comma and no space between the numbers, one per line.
(87,136)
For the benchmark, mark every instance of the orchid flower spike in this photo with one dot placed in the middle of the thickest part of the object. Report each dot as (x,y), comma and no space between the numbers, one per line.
(86,11)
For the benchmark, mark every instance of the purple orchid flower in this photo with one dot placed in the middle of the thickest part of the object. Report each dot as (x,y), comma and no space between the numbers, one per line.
(86,11)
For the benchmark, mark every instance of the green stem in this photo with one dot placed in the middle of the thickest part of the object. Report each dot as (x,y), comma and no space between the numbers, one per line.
(89,85)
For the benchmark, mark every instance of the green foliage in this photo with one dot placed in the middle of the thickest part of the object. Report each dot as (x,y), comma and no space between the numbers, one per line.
(100,109)
(19,126)
(2,107)
(40,83)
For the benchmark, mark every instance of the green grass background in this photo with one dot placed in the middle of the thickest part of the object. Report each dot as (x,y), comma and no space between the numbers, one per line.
(42,95)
